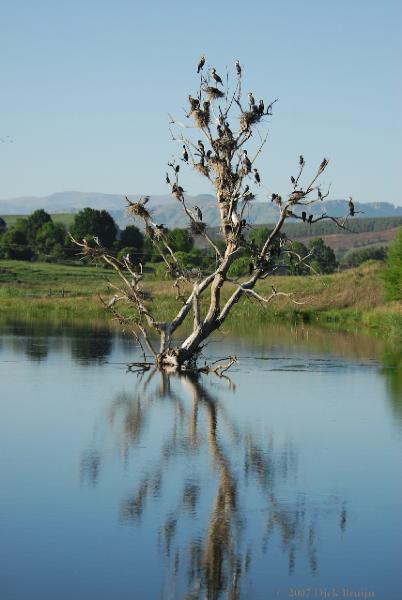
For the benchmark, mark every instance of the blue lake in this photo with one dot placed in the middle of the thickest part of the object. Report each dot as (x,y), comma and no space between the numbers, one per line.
(283,482)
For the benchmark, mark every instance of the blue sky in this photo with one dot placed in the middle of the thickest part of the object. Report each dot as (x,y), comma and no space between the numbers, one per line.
(86,87)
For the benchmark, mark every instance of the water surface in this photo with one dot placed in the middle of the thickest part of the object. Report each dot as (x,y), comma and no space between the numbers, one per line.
(284,482)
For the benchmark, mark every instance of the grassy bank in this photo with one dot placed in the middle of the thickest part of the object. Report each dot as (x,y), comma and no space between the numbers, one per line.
(33,292)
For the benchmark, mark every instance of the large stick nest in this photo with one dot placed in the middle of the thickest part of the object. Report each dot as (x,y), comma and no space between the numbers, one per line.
(201,117)
(137,209)
(213,93)
(197,228)
(248,118)
(201,168)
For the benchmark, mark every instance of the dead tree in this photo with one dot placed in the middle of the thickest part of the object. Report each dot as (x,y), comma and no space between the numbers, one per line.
(215,139)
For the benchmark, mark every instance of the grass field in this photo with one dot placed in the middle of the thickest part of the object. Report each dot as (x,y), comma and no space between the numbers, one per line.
(61,294)
(64,218)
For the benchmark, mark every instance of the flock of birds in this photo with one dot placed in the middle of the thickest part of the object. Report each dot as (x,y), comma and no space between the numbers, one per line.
(246,163)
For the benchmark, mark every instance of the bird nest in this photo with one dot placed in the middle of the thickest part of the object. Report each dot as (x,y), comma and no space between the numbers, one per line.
(136,209)
(197,228)
(248,118)
(203,169)
(226,142)
(213,93)
(201,118)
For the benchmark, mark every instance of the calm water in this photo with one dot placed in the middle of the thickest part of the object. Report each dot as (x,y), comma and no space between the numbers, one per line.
(284,483)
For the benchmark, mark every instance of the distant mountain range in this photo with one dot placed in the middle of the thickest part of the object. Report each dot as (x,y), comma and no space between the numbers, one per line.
(166,210)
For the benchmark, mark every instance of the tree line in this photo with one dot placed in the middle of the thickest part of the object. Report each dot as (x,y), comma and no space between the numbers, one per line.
(38,237)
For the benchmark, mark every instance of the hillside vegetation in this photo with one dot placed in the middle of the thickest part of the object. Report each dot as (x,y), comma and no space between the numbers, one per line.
(61,294)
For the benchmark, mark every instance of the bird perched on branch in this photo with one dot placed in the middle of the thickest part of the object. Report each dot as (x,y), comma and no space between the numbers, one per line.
(257,177)
(296,196)
(228,131)
(323,165)
(235,218)
(177,191)
(293,180)
(198,213)
(238,68)
(277,199)
(177,168)
(160,231)
(304,216)
(215,76)
(112,301)
(185,154)
(167,179)
(201,63)
(301,160)
(251,100)
(351,207)
(201,147)
(194,103)
(246,161)
(261,107)
(310,219)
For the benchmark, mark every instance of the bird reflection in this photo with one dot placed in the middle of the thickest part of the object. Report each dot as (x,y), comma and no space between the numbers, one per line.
(90,466)
(203,524)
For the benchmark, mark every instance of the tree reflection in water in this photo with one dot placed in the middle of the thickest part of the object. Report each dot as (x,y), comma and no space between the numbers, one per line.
(211,559)
(392,371)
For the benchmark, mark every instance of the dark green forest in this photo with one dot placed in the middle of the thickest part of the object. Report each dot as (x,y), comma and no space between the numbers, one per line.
(38,238)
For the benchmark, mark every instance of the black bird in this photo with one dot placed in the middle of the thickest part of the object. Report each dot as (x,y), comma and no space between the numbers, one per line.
(216,77)
(310,219)
(351,207)
(304,216)
(160,230)
(177,191)
(261,107)
(185,153)
(198,213)
(177,168)
(219,130)
(257,178)
(323,165)
(301,160)
(209,153)
(238,68)
(194,103)
(167,179)
(246,161)
(293,180)
(201,147)
(228,130)
(201,63)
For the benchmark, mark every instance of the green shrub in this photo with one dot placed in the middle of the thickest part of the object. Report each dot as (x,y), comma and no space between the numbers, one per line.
(393,272)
